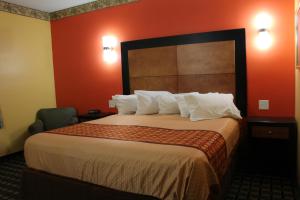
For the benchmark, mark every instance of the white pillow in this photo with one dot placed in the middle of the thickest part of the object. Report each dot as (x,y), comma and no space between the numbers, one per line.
(211,106)
(167,104)
(146,101)
(126,104)
(183,108)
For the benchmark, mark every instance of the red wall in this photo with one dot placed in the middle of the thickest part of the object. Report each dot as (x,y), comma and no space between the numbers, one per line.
(83,80)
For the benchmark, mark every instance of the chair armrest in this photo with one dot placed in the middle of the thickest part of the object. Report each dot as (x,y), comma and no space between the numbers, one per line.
(36,127)
(74,120)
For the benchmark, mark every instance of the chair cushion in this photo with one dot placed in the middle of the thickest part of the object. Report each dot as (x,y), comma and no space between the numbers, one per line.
(57,117)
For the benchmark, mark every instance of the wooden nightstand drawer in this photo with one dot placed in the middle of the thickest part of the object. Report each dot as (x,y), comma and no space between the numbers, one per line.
(270,132)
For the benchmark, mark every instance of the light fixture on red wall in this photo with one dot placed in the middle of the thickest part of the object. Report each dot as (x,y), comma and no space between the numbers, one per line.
(109,52)
(263,23)
(264,39)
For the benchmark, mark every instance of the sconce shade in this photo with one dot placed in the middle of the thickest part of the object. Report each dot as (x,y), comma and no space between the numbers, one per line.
(264,39)
(109,53)
(263,21)
(109,42)
(110,56)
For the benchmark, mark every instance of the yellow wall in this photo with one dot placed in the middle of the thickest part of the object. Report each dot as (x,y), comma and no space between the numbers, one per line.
(26,76)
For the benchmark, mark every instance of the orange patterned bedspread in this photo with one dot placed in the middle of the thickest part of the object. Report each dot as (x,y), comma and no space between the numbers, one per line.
(210,142)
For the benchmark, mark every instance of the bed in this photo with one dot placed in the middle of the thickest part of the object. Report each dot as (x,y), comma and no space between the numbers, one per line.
(68,163)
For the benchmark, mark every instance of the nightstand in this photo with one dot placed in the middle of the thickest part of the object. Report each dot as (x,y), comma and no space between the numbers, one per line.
(273,144)
(89,117)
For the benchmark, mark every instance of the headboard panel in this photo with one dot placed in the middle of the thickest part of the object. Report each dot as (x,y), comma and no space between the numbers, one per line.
(153,69)
(204,62)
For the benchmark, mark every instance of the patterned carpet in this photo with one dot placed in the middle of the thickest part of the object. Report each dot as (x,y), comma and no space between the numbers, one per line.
(11,168)
(245,185)
(252,186)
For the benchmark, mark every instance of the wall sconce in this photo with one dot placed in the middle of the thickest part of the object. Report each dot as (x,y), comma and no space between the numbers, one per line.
(109,53)
(263,23)
(264,39)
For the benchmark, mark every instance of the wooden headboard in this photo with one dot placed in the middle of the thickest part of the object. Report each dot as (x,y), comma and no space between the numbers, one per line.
(202,62)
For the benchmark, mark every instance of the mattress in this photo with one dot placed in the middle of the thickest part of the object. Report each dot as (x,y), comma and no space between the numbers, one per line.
(164,171)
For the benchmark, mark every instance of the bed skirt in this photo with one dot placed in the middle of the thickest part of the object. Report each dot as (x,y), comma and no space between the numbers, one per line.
(38,185)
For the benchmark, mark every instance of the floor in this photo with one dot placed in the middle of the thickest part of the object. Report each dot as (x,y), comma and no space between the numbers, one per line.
(11,168)
(254,186)
(246,184)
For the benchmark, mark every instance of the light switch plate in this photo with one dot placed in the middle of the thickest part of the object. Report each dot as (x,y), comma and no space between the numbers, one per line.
(263,104)
(111,103)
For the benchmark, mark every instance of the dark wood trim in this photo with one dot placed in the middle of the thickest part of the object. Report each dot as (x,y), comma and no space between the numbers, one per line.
(238,35)
(271,120)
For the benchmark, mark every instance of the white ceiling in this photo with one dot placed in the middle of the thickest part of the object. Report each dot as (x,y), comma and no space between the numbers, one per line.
(49,5)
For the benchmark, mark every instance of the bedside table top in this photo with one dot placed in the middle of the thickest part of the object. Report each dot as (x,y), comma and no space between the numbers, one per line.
(272,120)
(97,115)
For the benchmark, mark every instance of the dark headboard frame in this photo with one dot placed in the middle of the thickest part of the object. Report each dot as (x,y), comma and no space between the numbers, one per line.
(238,35)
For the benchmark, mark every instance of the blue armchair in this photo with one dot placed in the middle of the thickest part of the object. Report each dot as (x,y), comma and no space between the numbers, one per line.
(52,118)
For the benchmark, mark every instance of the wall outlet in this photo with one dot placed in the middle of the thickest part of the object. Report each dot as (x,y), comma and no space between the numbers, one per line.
(263,104)
(111,103)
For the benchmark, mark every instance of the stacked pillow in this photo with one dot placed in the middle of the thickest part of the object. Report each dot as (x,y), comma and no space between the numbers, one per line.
(148,103)
(183,107)
(211,106)
(194,105)
(126,104)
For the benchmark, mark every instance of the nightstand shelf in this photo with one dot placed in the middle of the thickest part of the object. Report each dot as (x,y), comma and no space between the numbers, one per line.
(89,117)
(273,144)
